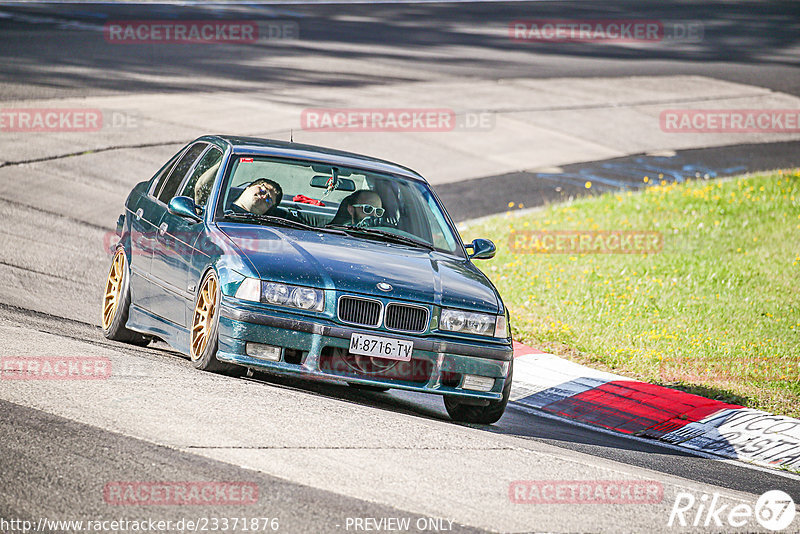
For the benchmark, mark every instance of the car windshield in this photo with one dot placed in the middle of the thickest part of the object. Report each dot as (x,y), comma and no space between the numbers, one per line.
(365,204)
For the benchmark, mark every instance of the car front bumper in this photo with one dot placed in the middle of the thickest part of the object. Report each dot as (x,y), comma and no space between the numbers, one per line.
(437,365)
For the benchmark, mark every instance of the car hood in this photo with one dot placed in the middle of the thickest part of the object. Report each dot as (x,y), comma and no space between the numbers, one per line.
(356,265)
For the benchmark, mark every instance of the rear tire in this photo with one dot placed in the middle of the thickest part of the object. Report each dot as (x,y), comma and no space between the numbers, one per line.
(482,415)
(116,303)
(203,337)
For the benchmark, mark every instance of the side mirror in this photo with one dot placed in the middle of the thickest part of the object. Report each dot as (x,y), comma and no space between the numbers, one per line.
(184,207)
(482,249)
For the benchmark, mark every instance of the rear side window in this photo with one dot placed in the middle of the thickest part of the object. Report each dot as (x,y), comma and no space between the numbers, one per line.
(172,183)
(162,175)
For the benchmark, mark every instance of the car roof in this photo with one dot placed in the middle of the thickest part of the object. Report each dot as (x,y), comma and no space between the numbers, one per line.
(273,147)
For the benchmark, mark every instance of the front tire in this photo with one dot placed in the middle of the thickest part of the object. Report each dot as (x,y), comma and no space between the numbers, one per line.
(482,415)
(204,338)
(116,303)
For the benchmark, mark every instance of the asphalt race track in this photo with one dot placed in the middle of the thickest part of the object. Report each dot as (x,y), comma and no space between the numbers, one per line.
(326,457)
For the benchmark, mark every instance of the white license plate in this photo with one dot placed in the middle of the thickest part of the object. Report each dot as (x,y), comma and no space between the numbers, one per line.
(381,347)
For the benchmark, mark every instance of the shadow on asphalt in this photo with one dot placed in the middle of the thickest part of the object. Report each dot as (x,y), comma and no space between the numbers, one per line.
(487,196)
(36,37)
(516,422)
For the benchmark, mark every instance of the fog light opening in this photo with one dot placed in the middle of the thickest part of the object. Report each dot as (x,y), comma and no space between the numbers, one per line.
(263,352)
(450,379)
(477,383)
(293,356)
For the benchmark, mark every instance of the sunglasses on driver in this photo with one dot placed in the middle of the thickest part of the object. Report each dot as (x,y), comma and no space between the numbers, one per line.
(369,209)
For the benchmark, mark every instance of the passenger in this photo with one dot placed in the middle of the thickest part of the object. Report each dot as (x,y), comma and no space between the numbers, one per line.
(261,197)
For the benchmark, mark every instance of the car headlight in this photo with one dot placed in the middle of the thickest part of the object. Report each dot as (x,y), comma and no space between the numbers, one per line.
(277,293)
(304,298)
(481,324)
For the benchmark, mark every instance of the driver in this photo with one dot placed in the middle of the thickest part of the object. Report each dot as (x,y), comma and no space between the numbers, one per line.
(365,204)
(261,197)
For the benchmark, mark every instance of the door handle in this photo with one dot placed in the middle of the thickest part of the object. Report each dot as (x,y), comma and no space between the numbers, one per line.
(139,213)
(162,229)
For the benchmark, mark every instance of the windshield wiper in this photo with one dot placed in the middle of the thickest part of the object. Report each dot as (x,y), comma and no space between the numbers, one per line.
(388,236)
(280,221)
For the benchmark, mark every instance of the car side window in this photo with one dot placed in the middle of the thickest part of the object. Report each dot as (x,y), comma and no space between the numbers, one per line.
(199,184)
(172,183)
(163,174)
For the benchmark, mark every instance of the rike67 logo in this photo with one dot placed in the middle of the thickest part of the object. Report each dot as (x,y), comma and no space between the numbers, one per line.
(774,510)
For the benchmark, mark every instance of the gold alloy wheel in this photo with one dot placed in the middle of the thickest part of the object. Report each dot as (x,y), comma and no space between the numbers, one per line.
(113,289)
(203,317)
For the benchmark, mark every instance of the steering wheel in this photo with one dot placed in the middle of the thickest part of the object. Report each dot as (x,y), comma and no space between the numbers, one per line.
(368,222)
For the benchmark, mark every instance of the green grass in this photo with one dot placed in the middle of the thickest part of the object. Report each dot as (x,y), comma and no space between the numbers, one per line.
(715,312)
